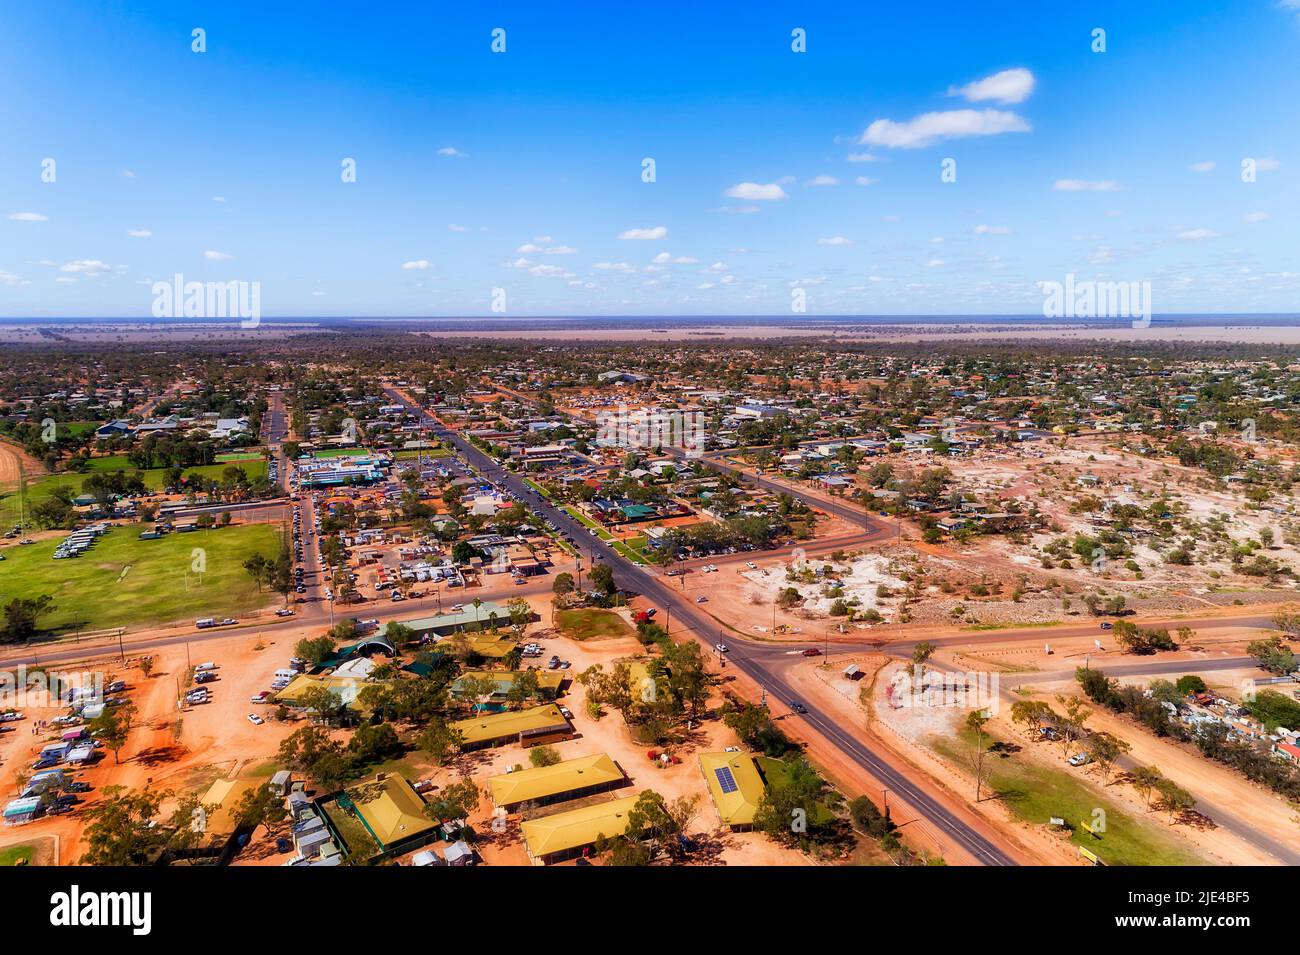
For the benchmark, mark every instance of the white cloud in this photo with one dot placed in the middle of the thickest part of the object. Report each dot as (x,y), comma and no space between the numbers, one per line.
(991,230)
(1009,86)
(1197,235)
(213,256)
(835,240)
(27,217)
(737,210)
(86,266)
(951,124)
(318,294)
(65,280)
(532,248)
(866,181)
(451,151)
(934,263)
(8,278)
(417,265)
(1256,216)
(221,199)
(861,157)
(139,233)
(1084,185)
(823,180)
(657,232)
(454,227)
(1202,166)
(664,258)
(128,174)
(614,267)
(756,192)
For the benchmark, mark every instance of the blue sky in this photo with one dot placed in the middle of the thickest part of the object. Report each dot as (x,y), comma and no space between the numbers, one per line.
(774,169)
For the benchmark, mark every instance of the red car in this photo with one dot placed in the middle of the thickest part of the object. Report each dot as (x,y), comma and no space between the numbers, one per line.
(812,652)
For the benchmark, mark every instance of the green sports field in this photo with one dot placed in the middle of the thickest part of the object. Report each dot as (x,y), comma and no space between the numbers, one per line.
(123,581)
(40,488)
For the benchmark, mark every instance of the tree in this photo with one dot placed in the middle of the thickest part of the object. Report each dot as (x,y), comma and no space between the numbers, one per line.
(602,579)
(21,616)
(563,584)
(1145,780)
(124,827)
(146,665)
(439,741)
(315,650)
(1104,750)
(654,819)
(543,756)
(261,806)
(112,727)
(322,700)
(454,802)
(1174,798)
(1071,725)
(312,751)
(373,743)
(1036,712)
(975,721)
(1273,655)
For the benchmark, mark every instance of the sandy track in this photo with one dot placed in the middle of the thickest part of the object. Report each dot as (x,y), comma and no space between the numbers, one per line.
(10,457)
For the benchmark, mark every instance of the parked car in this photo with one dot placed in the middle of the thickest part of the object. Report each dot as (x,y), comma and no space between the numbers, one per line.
(255,719)
(722,648)
(812,652)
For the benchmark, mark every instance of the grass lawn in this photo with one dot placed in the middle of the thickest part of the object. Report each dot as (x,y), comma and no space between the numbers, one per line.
(123,581)
(537,487)
(17,855)
(592,623)
(341,453)
(1036,793)
(361,845)
(414,453)
(777,775)
(632,549)
(38,489)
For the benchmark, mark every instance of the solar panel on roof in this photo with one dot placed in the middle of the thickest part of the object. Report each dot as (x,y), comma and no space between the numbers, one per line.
(726,781)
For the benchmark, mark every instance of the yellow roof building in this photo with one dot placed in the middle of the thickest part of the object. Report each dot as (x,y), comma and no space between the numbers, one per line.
(505,679)
(545,782)
(492,726)
(391,809)
(223,798)
(735,786)
(346,687)
(566,831)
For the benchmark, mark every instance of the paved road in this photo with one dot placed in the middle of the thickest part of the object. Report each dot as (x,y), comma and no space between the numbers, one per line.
(1225,816)
(755,660)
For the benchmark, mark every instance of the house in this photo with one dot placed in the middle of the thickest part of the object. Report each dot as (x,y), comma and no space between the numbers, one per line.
(568,779)
(564,835)
(220,817)
(530,727)
(113,429)
(392,812)
(735,785)
(471,618)
(548,681)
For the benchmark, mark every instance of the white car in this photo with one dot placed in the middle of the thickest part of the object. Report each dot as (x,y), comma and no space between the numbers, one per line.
(255,719)
(722,648)
(701,599)
(751,565)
